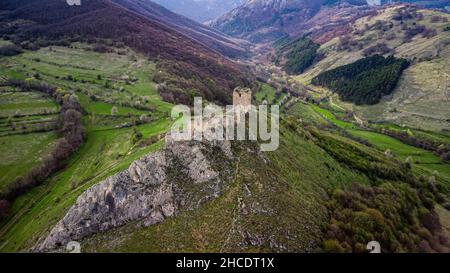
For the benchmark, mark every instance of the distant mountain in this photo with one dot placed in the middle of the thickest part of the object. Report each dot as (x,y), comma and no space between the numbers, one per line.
(141,25)
(201,10)
(259,20)
(268,20)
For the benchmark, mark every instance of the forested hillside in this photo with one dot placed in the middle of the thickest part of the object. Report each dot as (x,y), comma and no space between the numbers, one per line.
(296,55)
(365,81)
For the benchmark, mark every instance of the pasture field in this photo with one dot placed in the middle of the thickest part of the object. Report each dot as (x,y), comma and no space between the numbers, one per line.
(306,113)
(425,162)
(266,93)
(20,153)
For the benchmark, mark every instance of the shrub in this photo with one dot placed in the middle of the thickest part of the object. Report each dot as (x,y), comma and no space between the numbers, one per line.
(4,208)
(136,136)
(144,118)
(429,33)
(100,48)
(114,111)
(437,19)
(333,246)
(391,36)
(10,50)
(446,156)
(380,48)
(431,221)
(411,32)
(346,43)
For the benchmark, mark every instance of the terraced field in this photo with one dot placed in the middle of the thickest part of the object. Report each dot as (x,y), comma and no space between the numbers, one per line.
(425,162)
(27,124)
(23,112)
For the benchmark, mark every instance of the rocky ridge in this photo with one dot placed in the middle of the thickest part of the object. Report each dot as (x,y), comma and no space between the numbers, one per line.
(180,177)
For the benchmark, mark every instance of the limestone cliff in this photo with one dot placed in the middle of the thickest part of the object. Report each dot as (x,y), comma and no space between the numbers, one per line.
(180,177)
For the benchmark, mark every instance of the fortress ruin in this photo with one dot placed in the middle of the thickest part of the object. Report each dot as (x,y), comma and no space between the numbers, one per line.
(242,97)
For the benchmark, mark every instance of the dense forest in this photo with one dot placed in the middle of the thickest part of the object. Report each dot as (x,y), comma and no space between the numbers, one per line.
(297,55)
(365,81)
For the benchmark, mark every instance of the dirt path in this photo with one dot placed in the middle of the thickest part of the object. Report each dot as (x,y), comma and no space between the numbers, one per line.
(335,105)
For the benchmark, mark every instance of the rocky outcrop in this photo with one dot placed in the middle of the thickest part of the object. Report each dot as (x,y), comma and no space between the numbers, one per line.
(160,185)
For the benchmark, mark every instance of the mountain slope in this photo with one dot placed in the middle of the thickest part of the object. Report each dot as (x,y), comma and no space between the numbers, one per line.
(210,37)
(261,19)
(267,20)
(421,98)
(47,22)
(200,10)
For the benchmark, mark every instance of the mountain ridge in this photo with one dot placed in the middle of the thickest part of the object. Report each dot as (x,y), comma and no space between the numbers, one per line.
(268,20)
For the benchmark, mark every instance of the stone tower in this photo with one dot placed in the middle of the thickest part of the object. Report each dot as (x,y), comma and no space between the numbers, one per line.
(242,97)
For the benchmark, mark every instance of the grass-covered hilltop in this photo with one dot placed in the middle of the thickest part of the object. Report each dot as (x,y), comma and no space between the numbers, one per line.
(88,156)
